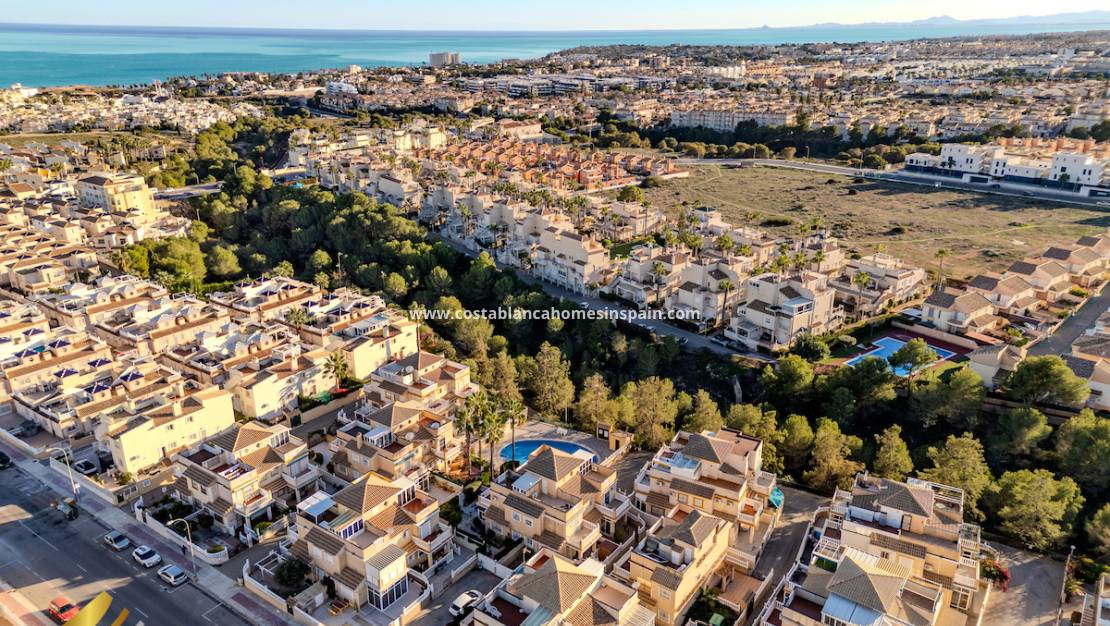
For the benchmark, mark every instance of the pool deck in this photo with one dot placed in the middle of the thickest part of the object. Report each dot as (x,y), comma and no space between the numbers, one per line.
(905,336)
(534,429)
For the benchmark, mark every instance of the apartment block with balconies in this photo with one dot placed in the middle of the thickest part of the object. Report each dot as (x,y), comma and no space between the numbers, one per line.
(379,539)
(550,500)
(551,589)
(888,550)
(238,474)
(155,326)
(778,308)
(79,305)
(266,298)
(718,473)
(398,439)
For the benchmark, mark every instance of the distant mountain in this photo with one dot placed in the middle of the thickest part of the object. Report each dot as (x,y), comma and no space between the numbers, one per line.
(1083,17)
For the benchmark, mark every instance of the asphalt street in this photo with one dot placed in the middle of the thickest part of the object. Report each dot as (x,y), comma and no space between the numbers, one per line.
(43,556)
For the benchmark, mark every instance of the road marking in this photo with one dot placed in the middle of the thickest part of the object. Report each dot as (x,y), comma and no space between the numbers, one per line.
(43,539)
(138,610)
(81,567)
(205,614)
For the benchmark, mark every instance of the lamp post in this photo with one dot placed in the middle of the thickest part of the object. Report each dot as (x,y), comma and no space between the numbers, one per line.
(69,469)
(189,536)
(1064,586)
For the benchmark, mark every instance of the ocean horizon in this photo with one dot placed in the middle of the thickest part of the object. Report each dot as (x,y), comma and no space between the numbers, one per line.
(40,55)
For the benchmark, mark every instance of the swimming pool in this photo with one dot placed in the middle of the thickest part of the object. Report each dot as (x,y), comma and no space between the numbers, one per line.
(889,345)
(526,447)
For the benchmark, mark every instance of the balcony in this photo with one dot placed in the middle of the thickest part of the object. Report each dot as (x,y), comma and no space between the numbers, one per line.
(618,506)
(440,535)
(305,476)
(764,483)
(256,503)
(587,535)
(750,511)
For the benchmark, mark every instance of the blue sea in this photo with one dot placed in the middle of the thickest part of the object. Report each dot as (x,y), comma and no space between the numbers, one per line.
(47,55)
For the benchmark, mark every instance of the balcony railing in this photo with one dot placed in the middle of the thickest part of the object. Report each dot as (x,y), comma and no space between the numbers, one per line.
(435,540)
(764,483)
(618,506)
(588,534)
(299,479)
(257,502)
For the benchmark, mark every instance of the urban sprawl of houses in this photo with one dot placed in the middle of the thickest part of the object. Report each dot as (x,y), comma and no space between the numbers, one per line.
(164,399)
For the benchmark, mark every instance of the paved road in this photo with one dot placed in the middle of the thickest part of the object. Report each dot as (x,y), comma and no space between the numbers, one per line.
(1060,341)
(42,556)
(191,191)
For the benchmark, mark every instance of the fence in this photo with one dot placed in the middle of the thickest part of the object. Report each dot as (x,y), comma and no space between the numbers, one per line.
(84,483)
(939,335)
(492,566)
(211,558)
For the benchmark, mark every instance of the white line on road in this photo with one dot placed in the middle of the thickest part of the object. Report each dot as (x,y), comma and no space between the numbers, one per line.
(81,567)
(43,539)
(138,610)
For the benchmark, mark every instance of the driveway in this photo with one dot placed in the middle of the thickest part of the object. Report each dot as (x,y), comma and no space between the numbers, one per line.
(1060,341)
(782,547)
(1034,595)
(436,611)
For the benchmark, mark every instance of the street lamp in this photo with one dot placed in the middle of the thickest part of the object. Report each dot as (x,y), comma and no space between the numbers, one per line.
(69,468)
(189,536)
(1064,586)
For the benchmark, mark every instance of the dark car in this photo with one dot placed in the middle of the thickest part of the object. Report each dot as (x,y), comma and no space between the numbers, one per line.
(5,461)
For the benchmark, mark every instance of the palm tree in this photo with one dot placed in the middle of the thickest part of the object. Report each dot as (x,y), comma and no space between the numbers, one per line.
(818,259)
(940,255)
(337,367)
(860,280)
(493,428)
(296,317)
(469,419)
(658,270)
(725,286)
(725,244)
(515,411)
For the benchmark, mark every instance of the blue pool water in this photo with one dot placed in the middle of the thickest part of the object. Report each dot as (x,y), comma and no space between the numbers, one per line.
(889,345)
(525,448)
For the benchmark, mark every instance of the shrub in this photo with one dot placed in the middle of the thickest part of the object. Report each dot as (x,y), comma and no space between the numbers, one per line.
(292,572)
(216,549)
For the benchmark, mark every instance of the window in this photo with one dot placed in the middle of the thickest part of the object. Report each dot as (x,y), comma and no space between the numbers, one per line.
(516,516)
(528,523)
(961,599)
(682,498)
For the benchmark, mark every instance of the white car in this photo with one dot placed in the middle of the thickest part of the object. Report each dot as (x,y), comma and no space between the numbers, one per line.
(465,602)
(117,541)
(146,556)
(173,575)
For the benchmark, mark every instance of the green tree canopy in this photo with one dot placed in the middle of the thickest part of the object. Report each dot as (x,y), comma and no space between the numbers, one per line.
(1083,451)
(892,459)
(1046,379)
(1034,507)
(832,466)
(960,463)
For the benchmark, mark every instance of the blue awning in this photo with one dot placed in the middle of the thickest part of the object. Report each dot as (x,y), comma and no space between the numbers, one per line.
(776,498)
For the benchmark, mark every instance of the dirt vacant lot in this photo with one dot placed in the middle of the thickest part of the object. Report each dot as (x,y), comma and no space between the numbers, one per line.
(912,221)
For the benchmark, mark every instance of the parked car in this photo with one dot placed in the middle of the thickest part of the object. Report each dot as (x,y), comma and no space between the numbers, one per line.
(146,556)
(173,575)
(88,468)
(68,508)
(61,610)
(5,461)
(117,541)
(26,428)
(466,601)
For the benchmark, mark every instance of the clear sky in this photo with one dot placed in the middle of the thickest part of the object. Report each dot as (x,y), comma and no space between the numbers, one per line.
(514,14)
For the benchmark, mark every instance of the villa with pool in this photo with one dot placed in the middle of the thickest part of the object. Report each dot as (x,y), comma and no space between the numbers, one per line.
(561,498)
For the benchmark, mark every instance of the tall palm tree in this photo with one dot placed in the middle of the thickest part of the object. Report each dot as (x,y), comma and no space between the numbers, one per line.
(940,255)
(860,280)
(725,286)
(658,271)
(515,411)
(493,427)
(337,367)
(469,419)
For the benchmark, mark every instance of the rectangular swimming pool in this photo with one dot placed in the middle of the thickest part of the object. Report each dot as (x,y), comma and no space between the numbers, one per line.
(887,346)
